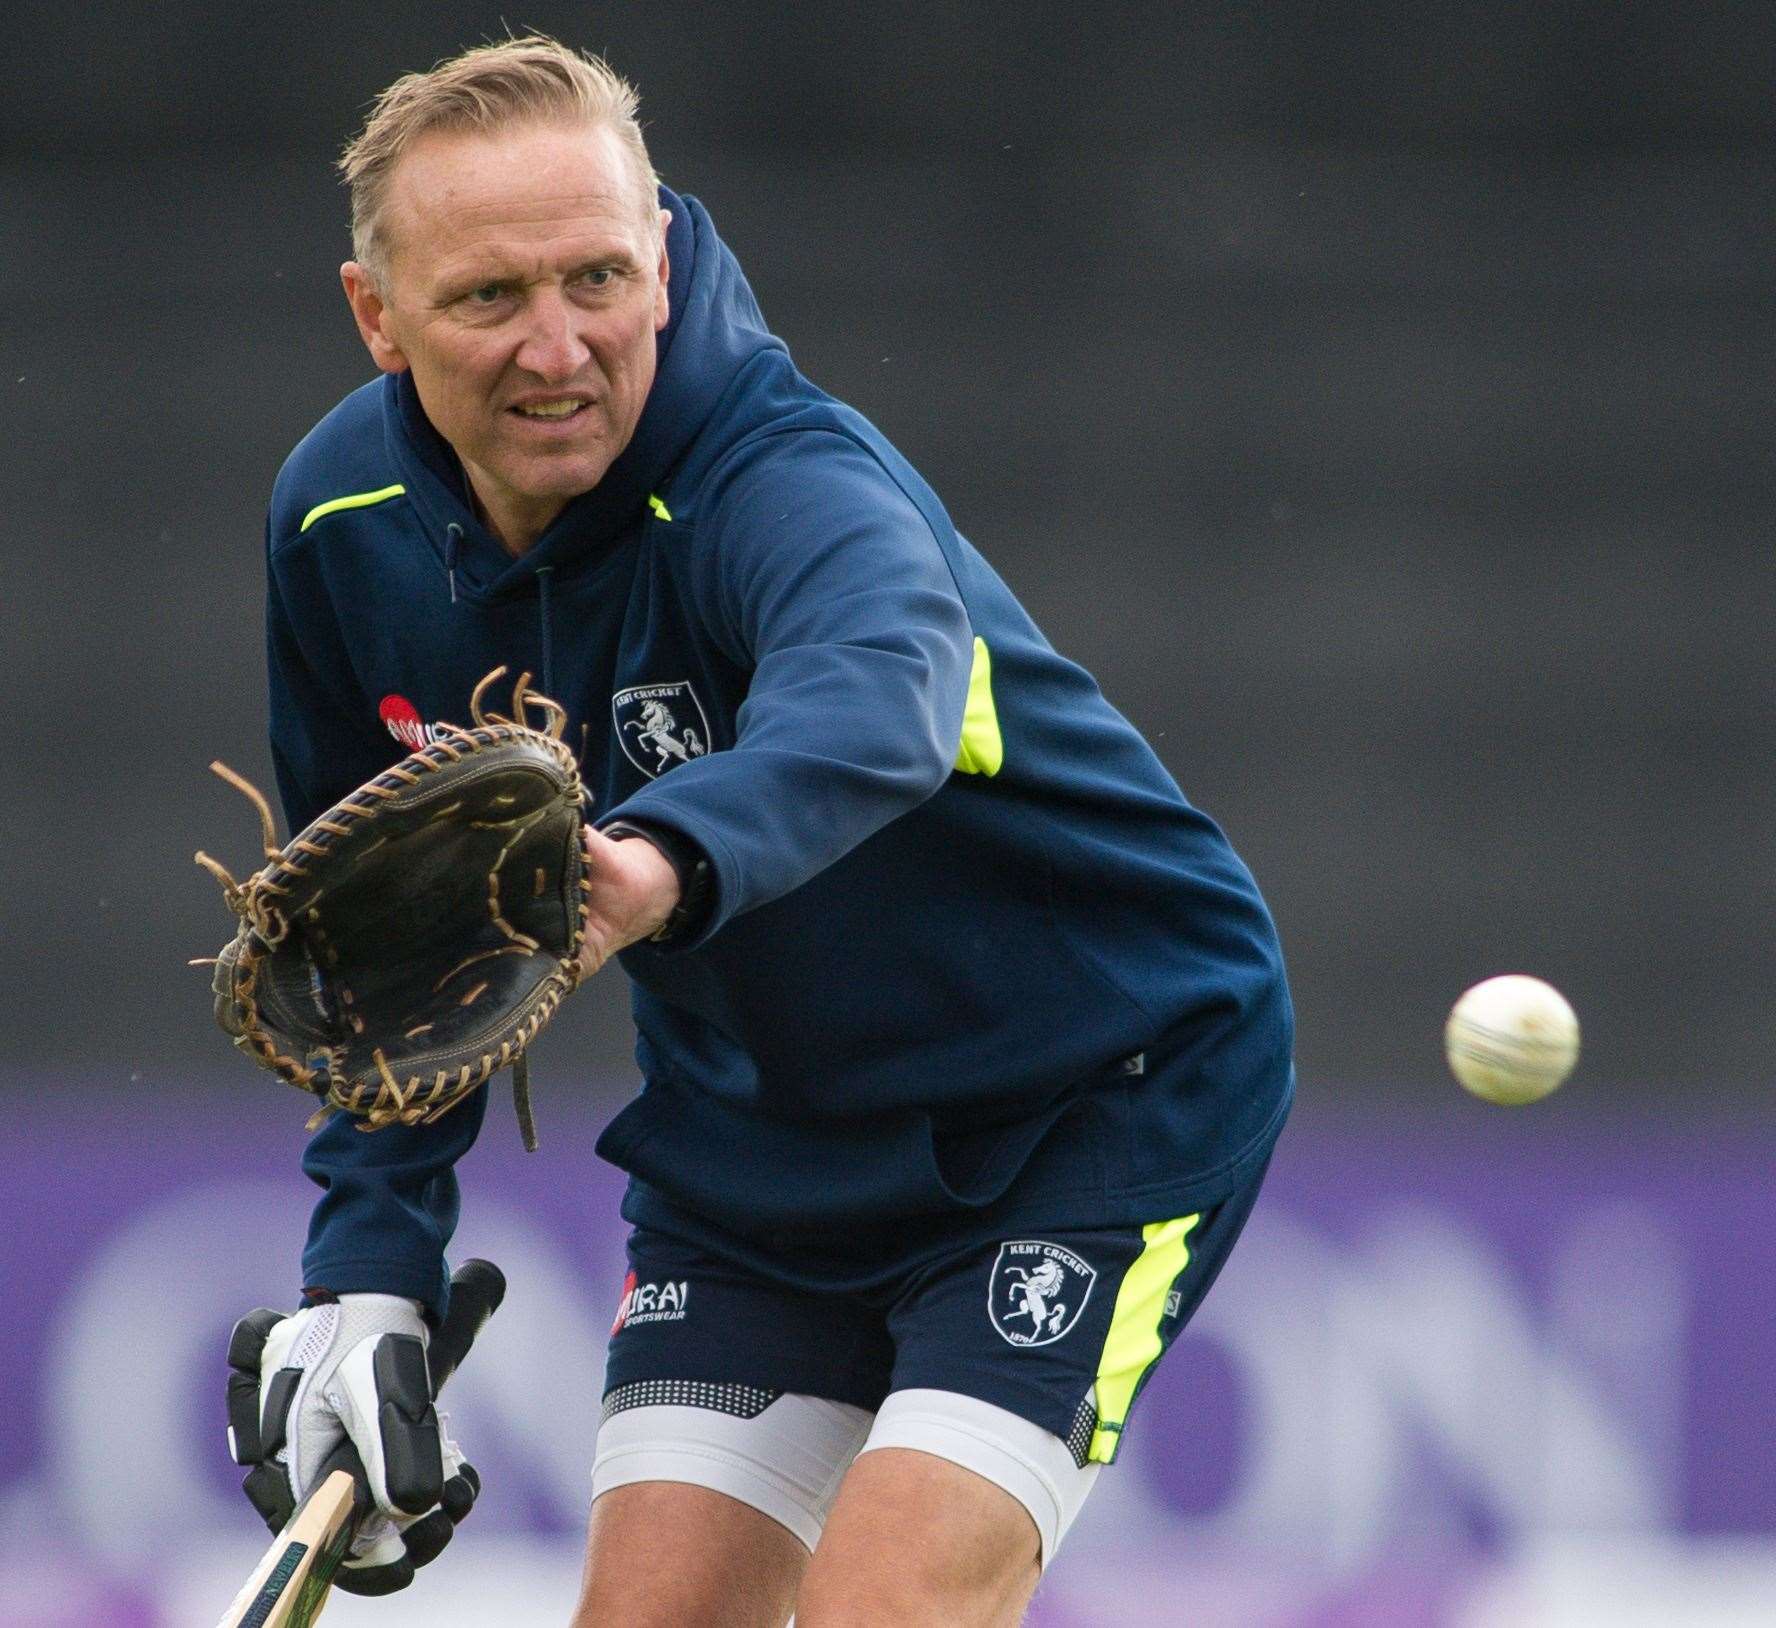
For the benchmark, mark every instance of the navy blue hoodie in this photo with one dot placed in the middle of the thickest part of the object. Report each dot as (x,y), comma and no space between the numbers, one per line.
(972,959)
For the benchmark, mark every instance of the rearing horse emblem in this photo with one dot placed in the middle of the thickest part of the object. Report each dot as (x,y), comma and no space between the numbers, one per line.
(1037,1291)
(660,725)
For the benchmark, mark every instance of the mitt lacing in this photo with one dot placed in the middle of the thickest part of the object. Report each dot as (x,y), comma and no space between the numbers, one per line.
(250,899)
(256,902)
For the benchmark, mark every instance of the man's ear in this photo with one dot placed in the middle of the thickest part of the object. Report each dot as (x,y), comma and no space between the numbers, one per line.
(662,305)
(370,312)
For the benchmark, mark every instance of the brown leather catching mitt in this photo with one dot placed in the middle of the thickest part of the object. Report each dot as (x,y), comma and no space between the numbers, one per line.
(414,939)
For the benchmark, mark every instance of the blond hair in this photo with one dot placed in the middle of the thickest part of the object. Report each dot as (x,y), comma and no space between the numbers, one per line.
(534,80)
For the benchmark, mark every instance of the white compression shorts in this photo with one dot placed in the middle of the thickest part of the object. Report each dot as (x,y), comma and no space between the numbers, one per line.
(788,1459)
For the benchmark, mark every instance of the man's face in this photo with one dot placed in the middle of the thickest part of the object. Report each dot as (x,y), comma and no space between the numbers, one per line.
(524,286)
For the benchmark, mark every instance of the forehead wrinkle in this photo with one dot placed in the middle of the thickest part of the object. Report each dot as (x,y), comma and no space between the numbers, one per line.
(494,231)
(498,202)
(455,206)
(453,228)
(560,251)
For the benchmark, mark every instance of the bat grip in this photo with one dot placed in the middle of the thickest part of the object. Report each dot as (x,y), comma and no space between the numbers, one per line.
(476,1289)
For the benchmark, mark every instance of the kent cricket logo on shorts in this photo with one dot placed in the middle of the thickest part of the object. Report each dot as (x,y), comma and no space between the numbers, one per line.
(651,1303)
(660,725)
(1037,1291)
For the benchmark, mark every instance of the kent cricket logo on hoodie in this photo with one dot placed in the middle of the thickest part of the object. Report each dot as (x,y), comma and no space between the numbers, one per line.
(659,725)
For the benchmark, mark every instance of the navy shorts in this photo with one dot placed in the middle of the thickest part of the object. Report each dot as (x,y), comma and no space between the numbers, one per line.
(1060,1327)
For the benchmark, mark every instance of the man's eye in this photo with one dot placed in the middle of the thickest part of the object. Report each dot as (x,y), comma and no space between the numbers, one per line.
(598,276)
(486,294)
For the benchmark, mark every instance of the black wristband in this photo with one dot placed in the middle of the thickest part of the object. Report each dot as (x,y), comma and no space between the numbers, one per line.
(689,863)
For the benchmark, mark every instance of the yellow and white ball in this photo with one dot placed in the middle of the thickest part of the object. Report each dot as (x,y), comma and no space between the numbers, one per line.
(1512,1039)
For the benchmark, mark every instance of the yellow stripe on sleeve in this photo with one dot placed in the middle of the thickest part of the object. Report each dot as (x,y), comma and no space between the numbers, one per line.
(982,751)
(1133,1344)
(357,500)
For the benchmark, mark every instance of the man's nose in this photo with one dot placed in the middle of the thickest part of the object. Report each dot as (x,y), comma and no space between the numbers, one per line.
(552,349)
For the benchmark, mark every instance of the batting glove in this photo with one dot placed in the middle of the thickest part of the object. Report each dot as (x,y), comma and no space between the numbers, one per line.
(344,1385)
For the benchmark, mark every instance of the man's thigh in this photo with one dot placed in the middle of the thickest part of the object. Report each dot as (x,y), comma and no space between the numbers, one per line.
(914,1539)
(667,1554)
(1061,1328)
(705,1508)
(1017,1366)
(725,1436)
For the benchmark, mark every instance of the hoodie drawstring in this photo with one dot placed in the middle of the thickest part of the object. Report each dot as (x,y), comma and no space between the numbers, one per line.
(453,536)
(452,542)
(543,575)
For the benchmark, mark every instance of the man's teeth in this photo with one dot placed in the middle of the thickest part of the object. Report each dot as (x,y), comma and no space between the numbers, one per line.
(551,409)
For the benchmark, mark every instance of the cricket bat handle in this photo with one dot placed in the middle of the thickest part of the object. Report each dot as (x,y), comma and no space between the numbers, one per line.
(476,1289)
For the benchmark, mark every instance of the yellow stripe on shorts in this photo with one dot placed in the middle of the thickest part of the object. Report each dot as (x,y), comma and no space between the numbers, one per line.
(1133,1344)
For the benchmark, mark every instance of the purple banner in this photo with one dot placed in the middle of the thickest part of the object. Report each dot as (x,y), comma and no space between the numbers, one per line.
(1483,1369)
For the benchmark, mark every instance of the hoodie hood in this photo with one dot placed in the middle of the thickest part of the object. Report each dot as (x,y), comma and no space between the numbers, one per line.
(714,332)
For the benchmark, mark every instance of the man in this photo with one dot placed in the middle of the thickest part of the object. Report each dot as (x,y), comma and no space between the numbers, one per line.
(965,1038)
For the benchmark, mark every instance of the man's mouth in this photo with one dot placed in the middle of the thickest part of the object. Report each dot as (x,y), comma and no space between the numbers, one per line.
(564,408)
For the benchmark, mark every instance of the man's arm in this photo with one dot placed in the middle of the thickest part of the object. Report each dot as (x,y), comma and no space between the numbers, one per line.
(389,1205)
(389,1199)
(825,577)
(320,748)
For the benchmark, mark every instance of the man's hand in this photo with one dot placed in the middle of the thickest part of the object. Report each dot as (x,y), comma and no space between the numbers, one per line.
(346,1385)
(631,890)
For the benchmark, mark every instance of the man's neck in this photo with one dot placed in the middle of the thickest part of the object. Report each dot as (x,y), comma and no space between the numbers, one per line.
(516,525)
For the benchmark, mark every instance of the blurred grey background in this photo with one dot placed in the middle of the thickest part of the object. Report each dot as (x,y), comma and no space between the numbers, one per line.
(1376,399)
